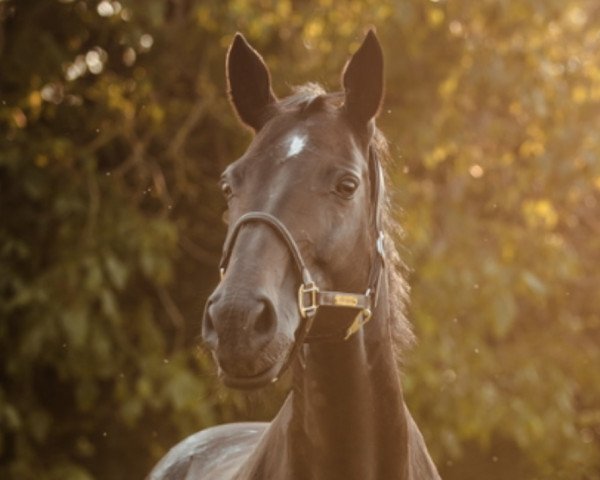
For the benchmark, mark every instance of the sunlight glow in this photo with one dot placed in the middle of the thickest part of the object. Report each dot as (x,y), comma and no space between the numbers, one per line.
(146,41)
(95,60)
(105,9)
(476,171)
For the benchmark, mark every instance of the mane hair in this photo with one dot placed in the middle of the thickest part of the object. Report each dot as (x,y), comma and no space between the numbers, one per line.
(311,94)
(310,98)
(398,288)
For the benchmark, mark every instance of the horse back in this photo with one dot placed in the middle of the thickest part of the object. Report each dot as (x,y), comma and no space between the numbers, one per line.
(214,453)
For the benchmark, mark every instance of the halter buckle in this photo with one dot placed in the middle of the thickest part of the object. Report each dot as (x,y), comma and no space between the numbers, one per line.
(312,290)
(363,317)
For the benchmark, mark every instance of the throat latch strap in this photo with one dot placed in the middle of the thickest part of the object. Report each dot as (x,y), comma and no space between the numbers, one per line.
(358,307)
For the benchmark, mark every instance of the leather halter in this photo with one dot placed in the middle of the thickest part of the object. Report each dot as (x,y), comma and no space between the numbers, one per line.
(358,307)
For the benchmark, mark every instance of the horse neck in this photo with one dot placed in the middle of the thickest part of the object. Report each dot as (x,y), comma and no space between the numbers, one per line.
(348,419)
(345,418)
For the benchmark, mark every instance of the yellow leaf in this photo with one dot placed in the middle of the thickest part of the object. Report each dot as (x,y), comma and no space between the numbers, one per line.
(41,161)
(35,100)
(531,148)
(507,159)
(435,17)
(284,8)
(313,29)
(448,87)
(579,94)
(540,213)
(19,118)
(515,108)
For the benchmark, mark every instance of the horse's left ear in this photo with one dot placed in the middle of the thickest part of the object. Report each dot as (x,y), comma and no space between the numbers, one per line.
(362,80)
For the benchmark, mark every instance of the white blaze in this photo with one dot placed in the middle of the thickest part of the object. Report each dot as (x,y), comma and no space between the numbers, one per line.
(296,145)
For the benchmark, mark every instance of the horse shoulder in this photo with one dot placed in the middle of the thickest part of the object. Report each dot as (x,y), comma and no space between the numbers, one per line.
(215,452)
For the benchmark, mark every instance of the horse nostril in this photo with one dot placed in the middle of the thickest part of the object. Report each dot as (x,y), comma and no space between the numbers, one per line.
(264,320)
(232,328)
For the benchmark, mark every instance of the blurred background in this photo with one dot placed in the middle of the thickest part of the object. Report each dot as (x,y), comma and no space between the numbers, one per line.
(114,128)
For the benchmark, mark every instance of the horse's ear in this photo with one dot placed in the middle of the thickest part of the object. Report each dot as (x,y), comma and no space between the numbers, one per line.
(362,80)
(249,83)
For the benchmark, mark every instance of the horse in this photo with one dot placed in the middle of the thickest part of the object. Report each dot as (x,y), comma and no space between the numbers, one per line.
(308,283)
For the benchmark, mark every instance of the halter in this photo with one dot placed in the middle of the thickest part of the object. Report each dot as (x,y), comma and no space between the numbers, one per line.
(355,309)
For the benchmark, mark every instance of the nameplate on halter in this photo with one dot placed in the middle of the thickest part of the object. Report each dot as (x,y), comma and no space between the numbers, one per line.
(345,300)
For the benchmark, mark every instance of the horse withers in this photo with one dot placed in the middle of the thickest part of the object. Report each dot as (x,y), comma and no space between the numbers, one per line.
(308,283)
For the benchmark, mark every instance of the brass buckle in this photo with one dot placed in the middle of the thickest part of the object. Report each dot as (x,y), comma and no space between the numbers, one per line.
(312,290)
(363,317)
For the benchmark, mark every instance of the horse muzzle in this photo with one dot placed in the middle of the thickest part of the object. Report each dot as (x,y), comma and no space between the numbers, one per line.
(244,333)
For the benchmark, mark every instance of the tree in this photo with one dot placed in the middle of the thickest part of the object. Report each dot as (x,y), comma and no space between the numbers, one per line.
(114,129)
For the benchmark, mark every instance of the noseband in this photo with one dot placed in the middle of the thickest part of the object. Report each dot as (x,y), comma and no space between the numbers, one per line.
(358,307)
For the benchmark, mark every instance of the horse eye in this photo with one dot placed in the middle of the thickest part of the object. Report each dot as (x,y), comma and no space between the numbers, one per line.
(346,187)
(226,189)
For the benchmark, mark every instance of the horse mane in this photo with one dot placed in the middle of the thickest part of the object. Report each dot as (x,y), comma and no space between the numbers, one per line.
(398,287)
(312,97)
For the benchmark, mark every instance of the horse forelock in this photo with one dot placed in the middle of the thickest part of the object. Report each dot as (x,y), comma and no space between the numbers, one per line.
(311,96)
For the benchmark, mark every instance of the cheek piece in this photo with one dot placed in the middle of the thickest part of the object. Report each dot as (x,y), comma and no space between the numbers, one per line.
(355,309)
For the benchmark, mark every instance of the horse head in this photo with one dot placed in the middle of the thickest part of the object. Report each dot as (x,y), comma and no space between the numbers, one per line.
(301,201)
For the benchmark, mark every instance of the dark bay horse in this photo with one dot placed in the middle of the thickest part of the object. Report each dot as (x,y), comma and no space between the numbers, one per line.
(308,282)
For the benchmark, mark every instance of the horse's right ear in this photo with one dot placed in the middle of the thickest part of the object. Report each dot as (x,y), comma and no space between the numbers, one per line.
(249,83)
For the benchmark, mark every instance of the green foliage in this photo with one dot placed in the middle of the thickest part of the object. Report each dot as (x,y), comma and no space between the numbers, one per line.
(114,127)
